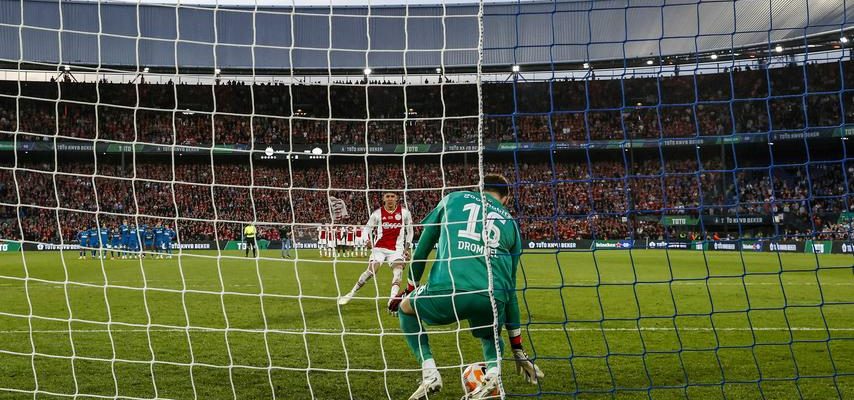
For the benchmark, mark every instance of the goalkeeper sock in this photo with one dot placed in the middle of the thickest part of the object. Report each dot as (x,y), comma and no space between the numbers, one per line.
(489,353)
(428,368)
(416,338)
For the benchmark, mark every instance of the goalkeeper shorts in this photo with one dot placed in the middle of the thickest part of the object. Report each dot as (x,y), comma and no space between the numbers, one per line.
(443,307)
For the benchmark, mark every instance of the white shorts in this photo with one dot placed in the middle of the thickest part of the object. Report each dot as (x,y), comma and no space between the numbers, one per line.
(380,256)
(330,244)
(321,242)
(350,243)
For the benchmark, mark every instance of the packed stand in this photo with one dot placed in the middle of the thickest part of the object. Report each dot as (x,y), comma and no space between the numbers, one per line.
(564,199)
(740,101)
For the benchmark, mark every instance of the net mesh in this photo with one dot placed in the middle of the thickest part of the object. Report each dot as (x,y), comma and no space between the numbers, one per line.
(687,233)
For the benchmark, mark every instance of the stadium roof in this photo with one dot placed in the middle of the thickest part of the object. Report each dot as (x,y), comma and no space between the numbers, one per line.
(425,36)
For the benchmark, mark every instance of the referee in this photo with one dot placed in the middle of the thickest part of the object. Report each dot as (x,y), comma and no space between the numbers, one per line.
(287,242)
(249,237)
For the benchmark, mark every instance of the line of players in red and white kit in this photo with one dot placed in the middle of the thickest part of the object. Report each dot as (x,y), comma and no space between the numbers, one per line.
(341,241)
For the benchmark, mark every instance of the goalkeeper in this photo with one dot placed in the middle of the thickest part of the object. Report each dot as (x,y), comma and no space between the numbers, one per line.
(458,285)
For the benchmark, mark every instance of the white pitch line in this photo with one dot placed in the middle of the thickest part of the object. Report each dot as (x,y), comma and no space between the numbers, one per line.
(368,330)
(569,285)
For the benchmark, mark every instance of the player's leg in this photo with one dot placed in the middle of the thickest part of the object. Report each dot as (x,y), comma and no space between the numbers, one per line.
(483,319)
(433,309)
(377,259)
(396,277)
(363,279)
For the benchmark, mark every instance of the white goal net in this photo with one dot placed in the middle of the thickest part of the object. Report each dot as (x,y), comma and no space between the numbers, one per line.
(152,146)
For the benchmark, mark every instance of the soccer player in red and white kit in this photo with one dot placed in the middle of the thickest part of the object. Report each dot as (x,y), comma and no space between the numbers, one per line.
(349,251)
(321,240)
(390,230)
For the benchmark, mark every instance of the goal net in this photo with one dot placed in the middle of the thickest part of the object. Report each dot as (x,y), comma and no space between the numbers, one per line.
(185,191)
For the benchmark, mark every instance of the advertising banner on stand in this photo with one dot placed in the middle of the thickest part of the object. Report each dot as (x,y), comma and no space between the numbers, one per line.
(786,247)
(241,245)
(9,246)
(673,244)
(818,246)
(843,248)
(723,245)
(557,245)
(613,244)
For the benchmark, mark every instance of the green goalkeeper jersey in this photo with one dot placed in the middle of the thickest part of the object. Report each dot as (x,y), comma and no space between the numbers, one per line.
(456,225)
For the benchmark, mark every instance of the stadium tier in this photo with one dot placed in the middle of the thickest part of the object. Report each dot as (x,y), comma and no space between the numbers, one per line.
(558,200)
(573,204)
(742,101)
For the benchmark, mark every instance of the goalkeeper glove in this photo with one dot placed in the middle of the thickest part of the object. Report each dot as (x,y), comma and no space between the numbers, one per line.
(394,303)
(524,365)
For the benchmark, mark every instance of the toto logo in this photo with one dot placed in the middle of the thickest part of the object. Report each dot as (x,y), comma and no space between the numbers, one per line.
(40,246)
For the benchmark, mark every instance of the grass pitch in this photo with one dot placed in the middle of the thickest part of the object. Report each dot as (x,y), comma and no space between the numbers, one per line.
(604,324)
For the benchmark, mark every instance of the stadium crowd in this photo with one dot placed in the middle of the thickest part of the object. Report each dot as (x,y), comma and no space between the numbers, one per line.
(560,200)
(740,101)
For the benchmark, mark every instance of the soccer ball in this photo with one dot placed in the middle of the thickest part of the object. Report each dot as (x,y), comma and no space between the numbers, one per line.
(473,377)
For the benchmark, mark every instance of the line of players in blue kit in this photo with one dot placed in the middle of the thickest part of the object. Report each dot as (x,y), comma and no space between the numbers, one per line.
(126,241)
